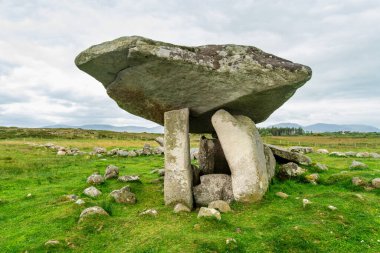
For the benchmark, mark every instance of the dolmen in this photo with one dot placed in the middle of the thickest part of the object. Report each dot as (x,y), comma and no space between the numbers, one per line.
(219,89)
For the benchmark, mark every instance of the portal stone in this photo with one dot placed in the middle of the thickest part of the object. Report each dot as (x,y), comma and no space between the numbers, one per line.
(178,173)
(211,157)
(244,151)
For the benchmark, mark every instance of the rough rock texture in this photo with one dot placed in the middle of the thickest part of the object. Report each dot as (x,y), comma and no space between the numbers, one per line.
(94,210)
(213,187)
(92,192)
(112,171)
(220,205)
(290,170)
(148,78)
(209,212)
(300,149)
(130,178)
(322,151)
(244,151)
(181,208)
(124,195)
(178,174)
(211,157)
(283,155)
(270,161)
(95,178)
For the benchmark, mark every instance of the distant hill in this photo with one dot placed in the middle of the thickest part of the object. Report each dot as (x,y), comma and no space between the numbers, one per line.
(130,129)
(323,128)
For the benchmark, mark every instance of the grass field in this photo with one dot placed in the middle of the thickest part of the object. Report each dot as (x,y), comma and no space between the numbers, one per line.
(273,225)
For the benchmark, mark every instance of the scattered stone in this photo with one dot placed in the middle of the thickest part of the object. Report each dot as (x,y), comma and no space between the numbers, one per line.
(92,192)
(95,178)
(52,243)
(61,152)
(94,210)
(213,187)
(149,212)
(209,212)
(147,150)
(358,181)
(126,179)
(160,141)
(300,149)
(132,154)
(220,205)
(321,167)
(332,208)
(122,153)
(70,197)
(180,208)
(29,195)
(254,83)
(290,169)
(374,155)
(159,151)
(112,171)
(376,182)
(282,195)
(80,202)
(351,153)
(284,155)
(322,151)
(139,152)
(306,202)
(338,154)
(312,178)
(124,195)
(113,151)
(358,165)
(99,150)
(244,151)
(363,154)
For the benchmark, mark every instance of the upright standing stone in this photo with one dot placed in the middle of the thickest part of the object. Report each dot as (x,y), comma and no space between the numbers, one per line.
(211,157)
(244,152)
(178,174)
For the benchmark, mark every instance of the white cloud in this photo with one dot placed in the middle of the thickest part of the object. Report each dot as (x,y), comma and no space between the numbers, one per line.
(39,40)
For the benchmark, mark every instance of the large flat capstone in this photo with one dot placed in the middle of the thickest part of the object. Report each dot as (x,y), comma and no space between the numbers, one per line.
(147,78)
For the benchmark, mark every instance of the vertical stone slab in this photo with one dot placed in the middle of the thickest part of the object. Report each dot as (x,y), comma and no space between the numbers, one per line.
(211,157)
(178,173)
(244,151)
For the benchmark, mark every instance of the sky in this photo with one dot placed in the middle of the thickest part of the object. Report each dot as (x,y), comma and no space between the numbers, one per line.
(39,40)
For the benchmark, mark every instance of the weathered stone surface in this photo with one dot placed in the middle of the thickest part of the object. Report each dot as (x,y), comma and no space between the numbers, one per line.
(244,151)
(130,178)
(112,171)
(178,174)
(358,165)
(181,208)
(322,151)
(270,162)
(374,155)
(124,195)
(92,192)
(283,155)
(209,212)
(363,154)
(338,154)
(94,210)
(300,149)
(290,169)
(220,205)
(148,78)
(95,178)
(213,187)
(211,157)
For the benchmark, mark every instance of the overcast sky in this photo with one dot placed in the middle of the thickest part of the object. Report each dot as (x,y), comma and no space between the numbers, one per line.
(40,85)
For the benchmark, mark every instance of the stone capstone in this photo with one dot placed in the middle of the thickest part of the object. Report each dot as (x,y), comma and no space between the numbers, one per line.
(147,78)
(213,187)
(244,151)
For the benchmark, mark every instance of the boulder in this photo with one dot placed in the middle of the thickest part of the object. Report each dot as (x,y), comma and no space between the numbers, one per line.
(94,210)
(300,149)
(61,152)
(181,208)
(160,141)
(147,150)
(211,157)
(220,205)
(131,178)
(178,180)
(322,151)
(159,150)
(209,213)
(350,153)
(124,195)
(147,78)
(291,169)
(95,178)
(122,153)
(244,151)
(213,187)
(376,182)
(92,192)
(355,165)
(283,156)
(99,150)
(112,171)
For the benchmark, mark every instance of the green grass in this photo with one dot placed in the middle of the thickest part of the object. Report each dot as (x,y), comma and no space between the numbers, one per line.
(273,225)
